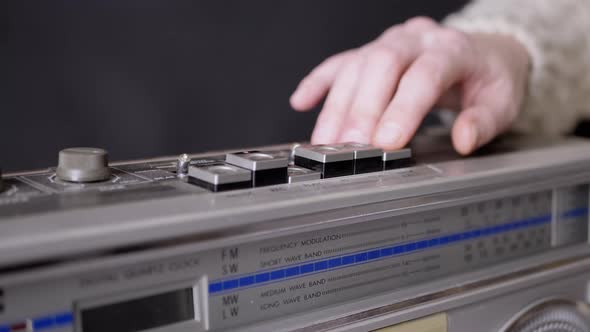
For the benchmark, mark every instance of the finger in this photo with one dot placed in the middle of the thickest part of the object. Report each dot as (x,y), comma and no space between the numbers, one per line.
(466,132)
(316,84)
(376,87)
(422,85)
(479,124)
(414,26)
(420,24)
(337,103)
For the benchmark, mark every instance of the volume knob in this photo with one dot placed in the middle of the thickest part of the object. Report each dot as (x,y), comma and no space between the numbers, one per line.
(83,165)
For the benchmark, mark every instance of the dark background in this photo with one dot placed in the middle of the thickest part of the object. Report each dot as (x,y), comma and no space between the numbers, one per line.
(149,78)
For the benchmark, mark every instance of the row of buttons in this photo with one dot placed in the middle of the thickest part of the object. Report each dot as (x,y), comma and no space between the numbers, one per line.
(304,163)
(249,169)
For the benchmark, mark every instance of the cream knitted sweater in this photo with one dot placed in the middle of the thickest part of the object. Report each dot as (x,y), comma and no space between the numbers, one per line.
(557,35)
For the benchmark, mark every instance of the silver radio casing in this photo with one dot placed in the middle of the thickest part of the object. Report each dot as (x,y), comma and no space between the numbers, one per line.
(68,247)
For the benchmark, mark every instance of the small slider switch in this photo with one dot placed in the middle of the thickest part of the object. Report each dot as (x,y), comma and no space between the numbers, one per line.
(397,159)
(219,176)
(367,158)
(300,174)
(330,160)
(268,167)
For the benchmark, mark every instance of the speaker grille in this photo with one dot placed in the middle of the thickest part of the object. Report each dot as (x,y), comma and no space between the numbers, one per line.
(554,316)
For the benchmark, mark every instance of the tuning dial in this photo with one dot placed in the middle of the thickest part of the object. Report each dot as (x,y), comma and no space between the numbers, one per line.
(83,165)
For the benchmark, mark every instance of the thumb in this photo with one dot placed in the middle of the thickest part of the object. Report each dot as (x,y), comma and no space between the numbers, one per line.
(476,126)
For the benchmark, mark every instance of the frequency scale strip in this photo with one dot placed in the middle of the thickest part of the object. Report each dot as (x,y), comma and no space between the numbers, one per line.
(217,287)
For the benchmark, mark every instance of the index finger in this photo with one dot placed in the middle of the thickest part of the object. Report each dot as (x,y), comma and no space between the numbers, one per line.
(318,82)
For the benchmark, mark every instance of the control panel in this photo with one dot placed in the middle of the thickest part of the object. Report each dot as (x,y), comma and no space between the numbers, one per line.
(283,238)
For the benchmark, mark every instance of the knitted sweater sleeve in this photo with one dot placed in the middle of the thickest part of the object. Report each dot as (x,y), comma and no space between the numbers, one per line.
(556,34)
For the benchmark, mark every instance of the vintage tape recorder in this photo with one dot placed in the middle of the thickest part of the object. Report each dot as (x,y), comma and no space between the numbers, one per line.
(343,237)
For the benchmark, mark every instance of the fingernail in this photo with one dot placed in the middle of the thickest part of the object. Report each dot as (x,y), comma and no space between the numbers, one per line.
(354,135)
(388,134)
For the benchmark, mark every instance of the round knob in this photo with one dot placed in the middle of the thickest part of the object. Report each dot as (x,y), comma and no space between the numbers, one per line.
(83,165)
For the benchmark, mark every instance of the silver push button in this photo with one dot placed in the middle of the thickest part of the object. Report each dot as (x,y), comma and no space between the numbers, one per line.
(259,160)
(397,154)
(83,165)
(361,150)
(330,160)
(324,153)
(367,158)
(300,174)
(218,176)
(268,167)
(220,173)
(397,159)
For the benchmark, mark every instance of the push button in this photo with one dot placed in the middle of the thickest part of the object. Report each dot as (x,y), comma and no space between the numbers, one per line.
(367,158)
(397,159)
(300,174)
(219,176)
(329,160)
(268,167)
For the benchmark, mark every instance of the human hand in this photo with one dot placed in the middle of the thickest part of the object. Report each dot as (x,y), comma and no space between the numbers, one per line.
(381,92)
